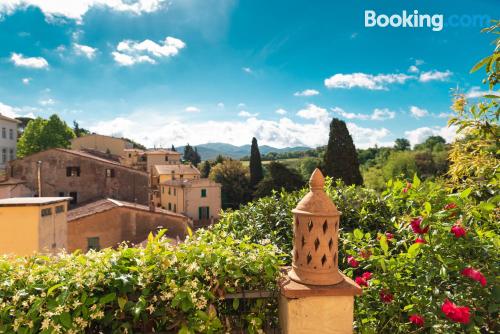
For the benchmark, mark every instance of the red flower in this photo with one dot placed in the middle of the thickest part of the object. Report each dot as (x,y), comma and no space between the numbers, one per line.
(420,240)
(386,296)
(417,319)
(475,275)
(450,206)
(416,226)
(352,261)
(456,313)
(365,254)
(389,236)
(405,190)
(457,230)
(408,185)
(363,279)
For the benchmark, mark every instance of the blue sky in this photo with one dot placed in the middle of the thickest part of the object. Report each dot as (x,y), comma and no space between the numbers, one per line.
(197,71)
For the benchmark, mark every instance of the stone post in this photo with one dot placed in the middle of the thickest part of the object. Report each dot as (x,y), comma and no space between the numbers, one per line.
(316,297)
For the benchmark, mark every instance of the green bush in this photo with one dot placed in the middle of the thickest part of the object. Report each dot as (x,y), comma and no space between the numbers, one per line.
(160,288)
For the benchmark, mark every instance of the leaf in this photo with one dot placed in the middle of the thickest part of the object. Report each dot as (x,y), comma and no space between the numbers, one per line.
(107,298)
(236,303)
(480,64)
(184,330)
(465,193)
(358,234)
(122,301)
(52,288)
(428,207)
(65,319)
(414,249)
(189,231)
(416,181)
(383,244)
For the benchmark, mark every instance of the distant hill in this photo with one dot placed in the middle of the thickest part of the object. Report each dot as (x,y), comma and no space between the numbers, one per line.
(211,150)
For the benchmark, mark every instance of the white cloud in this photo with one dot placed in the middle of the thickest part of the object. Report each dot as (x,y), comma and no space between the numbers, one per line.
(220,105)
(241,105)
(76,9)
(354,35)
(419,135)
(418,112)
(31,62)
(244,113)
(281,111)
(434,75)
(312,111)
(192,109)
(307,92)
(419,62)
(476,92)
(367,81)
(85,50)
(130,52)
(14,112)
(26,81)
(159,130)
(444,115)
(247,70)
(413,69)
(376,115)
(47,102)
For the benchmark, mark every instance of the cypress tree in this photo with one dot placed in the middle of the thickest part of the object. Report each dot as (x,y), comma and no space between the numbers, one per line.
(256,173)
(341,160)
(173,148)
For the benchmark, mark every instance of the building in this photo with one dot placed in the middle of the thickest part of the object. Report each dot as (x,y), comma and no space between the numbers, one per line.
(199,199)
(80,175)
(162,173)
(10,187)
(107,223)
(145,160)
(8,140)
(33,224)
(100,143)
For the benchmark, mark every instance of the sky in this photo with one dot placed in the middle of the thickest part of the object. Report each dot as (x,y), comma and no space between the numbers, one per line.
(196,71)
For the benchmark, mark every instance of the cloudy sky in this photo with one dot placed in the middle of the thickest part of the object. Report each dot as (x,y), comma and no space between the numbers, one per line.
(171,72)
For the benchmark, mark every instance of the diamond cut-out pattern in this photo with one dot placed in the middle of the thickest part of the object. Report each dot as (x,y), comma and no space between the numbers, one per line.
(310,225)
(330,244)
(323,260)
(303,241)
(325,227)
(309,258)
(316,244)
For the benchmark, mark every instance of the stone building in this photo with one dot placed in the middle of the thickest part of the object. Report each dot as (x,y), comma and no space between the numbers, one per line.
(8,140)
(108,222)
(82,176)
(10,187)
(145,160)
(100,143)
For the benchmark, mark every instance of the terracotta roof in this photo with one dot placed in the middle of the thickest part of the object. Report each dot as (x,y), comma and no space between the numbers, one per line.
(24,201)
(178,169)
(190,182)
(11,181)
(108,204)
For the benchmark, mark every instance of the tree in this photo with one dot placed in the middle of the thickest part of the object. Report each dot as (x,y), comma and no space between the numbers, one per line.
(402,144)
(191,155)
(308,165)
(41,134)
(256,172)
(431,143)
(235,181)
(341,160)
(173,148)
(205,168)
(21,126)
(279,177)
(79,132)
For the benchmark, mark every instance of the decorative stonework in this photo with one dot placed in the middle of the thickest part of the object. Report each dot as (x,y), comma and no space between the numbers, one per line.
(315,237)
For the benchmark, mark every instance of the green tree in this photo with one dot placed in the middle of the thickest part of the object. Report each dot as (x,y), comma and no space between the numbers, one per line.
(431,143)
(79,132)
(279,177)
(205,168)
(402,144)
(235,181)
(308,165)
(41,134)
(256,172)
(341,160)
(173,148)
(191,155)
(399,164)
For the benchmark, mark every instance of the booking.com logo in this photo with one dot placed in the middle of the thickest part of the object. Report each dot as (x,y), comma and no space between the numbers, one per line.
(413,19)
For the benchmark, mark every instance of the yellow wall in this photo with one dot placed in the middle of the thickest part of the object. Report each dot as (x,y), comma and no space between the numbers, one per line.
(175,197)
(159,159)
(19,230)
(53,230)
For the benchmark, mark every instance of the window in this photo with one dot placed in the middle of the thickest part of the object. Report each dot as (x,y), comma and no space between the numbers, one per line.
(162,190)
(130,155)
(46,212)
(166,158)
(203,212)
(61,194)
(182,176)
(11,134)
(72,171)
(169,190)
(203,192)
(59,208)
(93,243)
(12,155)
(4,155)
(74,197)
(110,172)
(175,207)
(170,206)
(4,133)
(175,191)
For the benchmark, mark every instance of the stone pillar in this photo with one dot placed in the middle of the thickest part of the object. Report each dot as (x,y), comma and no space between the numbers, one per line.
(316,297)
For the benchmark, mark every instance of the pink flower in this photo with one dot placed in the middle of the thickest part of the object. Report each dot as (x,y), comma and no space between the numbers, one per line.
(389,236)
(420,240)
(450,206)
(405,190)
(352,261)
(363,279)
(416,226)
(457,230)
(475,275)
(417,319)
(386,296)
(456,313)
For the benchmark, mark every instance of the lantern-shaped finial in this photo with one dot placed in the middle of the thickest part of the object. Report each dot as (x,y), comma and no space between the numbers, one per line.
(315,237)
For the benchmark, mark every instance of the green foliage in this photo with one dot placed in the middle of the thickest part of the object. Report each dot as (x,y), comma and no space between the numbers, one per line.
(41,134)
(160,288)
(79,132)
(235,182)
(402,144)
(432,143)
(256,171)
(341,161)
(279,177)
(307,166)
(191,155)
(206,166)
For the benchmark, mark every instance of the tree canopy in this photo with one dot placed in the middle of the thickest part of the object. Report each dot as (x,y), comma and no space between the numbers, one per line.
(256,172)
(279,177)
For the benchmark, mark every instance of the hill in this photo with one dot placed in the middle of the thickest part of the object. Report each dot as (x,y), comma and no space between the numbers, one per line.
(212,150)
